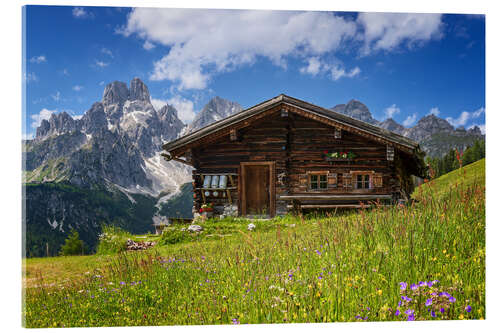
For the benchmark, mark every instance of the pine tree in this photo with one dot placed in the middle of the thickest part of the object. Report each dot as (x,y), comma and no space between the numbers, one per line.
(73,245)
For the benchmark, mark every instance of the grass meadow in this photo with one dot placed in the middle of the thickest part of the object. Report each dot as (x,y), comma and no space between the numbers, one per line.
(425,261)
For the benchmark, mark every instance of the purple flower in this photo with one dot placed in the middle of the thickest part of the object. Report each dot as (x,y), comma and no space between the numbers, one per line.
(433,313)
(409,312)
(319,253)
(422,284)
(445,294)
(452,299)
(235,321)
(428,302)
(411,317)
(468,308)
(397,312)
(399,303)
(406,298)
(320,277)
(414,286)
(429,284)
(441,310)
(122,283)
(403,285)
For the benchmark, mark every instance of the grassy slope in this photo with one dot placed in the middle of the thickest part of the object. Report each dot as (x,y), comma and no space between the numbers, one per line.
(323,269)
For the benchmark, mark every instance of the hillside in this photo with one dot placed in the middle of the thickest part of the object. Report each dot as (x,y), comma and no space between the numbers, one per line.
(354,266)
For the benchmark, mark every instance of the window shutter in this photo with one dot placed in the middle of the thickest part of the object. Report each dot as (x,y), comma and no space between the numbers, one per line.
(390,153)
(337,133)
(377,180)
(332,180)
(303,182)
(347,180)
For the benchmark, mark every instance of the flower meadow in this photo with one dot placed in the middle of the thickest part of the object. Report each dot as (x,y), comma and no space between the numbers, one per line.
(425,261)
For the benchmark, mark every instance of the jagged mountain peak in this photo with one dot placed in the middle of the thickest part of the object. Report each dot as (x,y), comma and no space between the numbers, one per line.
(355,109)
(138,90)
(115,92)
(216,109)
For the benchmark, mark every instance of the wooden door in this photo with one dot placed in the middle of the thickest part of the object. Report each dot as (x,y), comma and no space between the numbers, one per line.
(257,188)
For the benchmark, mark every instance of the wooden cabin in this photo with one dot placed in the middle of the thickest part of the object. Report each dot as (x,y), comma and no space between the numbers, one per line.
(285,155)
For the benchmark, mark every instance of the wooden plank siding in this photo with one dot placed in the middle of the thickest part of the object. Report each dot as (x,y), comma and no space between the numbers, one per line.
(296,144)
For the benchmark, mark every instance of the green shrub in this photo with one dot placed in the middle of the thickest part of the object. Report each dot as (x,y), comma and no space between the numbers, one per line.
(73,245)
(112,240)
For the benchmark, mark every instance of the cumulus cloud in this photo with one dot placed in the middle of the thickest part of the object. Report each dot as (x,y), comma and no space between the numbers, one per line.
(434,111)
(148,45)
(204,42)
(77,88)
(81,13)
(464,117)
(387,31)
(28,136)
(316,66)
(38,117)
(38,59)
(391,111)
(410,120)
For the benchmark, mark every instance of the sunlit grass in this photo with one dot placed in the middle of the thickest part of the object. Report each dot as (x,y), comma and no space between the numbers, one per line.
(322,269)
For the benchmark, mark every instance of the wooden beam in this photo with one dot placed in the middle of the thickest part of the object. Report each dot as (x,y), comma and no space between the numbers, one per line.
(340,197)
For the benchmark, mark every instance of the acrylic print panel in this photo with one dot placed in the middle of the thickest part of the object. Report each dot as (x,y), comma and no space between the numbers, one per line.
(132,113)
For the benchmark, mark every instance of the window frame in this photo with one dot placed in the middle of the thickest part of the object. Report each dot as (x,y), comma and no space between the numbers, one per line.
(318,181)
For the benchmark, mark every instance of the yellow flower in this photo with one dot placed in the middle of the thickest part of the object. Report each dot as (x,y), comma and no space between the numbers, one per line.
(461,317)
(379,291)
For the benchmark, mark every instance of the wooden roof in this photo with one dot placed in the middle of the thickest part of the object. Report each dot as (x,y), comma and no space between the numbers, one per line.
(303,108)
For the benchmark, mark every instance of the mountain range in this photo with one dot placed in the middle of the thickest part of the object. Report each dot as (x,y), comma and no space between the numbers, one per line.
(435,135)
(105,166)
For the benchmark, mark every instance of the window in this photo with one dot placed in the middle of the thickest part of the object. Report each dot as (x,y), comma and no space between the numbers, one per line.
(363,181)
(318,181)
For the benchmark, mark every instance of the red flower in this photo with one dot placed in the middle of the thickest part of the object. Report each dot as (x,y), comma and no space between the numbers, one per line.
(326,151)
(201,210)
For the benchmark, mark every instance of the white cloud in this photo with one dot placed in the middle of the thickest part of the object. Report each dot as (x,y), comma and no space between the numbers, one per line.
(148,45)
(391,111)
(107,52)
(316,66)
(77,88)
(313,67)
(38,59)
(65,72)
(30,77)
(478,112)
(464,117)
(80,12)
(387,31)
(101,64)
(43,114)
(205,42)
(101,83)
(434,111)
(410,120)
(57,96)
(184,107)
(338,72)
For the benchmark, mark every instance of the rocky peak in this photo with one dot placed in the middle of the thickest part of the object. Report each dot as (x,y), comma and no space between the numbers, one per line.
(115,93)
(391,125)
(216,109)
(357,110)
(58,123)
(475,131)
(94,119)
(138,90)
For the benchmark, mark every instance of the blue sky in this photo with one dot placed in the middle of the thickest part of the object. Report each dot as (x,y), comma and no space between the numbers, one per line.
(400,65)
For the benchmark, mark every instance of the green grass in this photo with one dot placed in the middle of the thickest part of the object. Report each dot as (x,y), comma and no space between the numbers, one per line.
(324,269)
